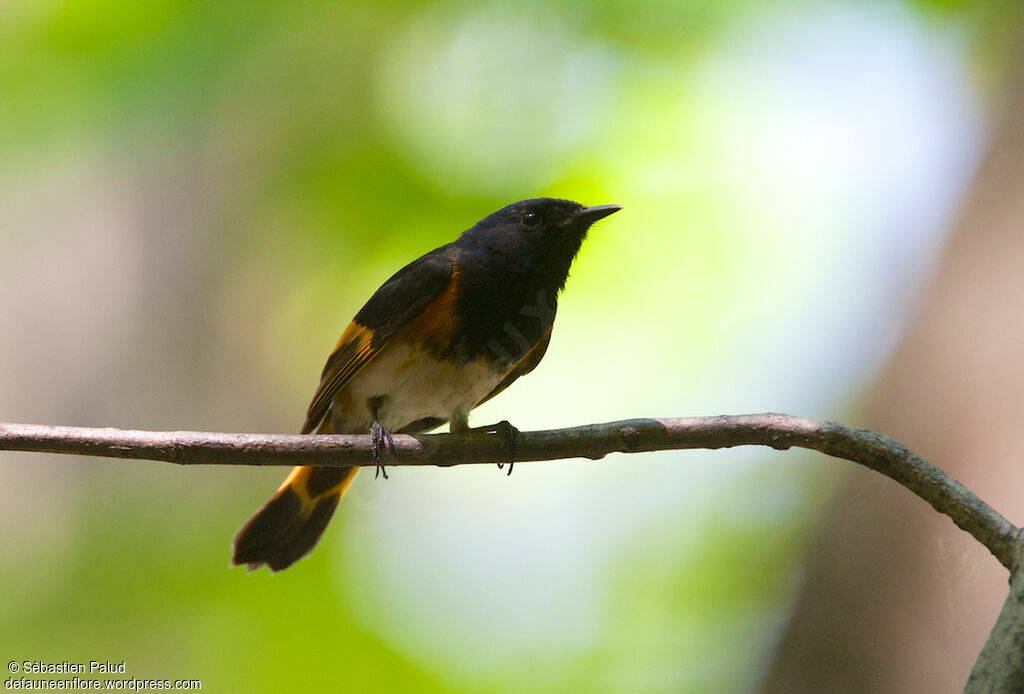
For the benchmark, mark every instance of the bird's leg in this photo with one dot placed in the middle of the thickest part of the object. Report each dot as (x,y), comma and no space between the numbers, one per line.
(509,439)
(381,438)
(379,434)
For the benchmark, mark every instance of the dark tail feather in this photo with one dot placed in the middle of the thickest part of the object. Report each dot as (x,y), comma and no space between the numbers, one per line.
(286,528)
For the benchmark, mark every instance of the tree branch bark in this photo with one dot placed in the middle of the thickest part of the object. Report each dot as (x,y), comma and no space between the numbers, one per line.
(593,441)
(1000,665)
(999,668)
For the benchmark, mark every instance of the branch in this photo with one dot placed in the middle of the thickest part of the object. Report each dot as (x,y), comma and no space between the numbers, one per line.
(999,665)
(998,669)
(593,441)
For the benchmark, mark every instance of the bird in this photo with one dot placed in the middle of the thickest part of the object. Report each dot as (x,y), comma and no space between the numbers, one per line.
(446,333)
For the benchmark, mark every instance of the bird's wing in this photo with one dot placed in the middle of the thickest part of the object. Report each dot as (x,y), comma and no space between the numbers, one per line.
(525,365)
(403,298)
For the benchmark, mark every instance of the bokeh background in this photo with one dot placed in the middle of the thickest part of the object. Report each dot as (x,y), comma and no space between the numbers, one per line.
(822,215)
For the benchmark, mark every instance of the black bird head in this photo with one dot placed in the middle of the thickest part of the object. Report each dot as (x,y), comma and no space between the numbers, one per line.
(539,236)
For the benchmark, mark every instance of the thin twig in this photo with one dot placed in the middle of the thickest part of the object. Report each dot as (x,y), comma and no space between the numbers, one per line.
(592,441)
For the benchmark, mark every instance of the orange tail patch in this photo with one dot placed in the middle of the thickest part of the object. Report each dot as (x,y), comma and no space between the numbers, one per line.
(288,526)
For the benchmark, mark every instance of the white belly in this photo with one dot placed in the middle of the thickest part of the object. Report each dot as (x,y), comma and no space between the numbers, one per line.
(411,386)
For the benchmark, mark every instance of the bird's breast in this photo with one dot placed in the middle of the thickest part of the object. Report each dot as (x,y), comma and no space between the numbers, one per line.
(409,382)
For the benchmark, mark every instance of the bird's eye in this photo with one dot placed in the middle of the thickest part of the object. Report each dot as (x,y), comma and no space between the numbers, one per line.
(530,220)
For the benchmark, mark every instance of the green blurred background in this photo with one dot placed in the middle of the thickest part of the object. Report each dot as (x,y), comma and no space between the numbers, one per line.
(195,197)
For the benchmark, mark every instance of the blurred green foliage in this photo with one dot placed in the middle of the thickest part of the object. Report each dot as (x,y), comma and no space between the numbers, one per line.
(278,161)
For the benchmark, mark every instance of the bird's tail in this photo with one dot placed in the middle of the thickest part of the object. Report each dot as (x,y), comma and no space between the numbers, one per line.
(286,528)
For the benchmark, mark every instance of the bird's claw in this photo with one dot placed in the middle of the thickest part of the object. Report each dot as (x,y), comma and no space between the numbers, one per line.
(509,441)
(381,439)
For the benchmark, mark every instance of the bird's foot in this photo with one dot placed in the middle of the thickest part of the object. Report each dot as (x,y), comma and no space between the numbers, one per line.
(381,440)
(509,441)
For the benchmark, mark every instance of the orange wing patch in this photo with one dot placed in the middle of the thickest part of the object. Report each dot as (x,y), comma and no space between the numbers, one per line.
(419,298)
(438,321)
(353,352)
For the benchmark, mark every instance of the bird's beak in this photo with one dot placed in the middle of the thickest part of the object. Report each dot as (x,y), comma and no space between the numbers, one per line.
(589,215)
